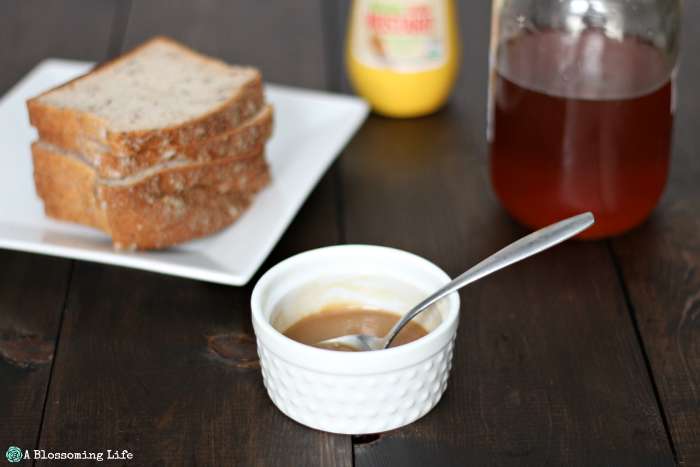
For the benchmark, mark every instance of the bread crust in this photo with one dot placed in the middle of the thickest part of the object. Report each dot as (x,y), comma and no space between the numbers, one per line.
(67,188)
(175,205)
(85,132)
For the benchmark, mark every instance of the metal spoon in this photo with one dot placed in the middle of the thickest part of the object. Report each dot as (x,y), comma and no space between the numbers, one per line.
(525,247)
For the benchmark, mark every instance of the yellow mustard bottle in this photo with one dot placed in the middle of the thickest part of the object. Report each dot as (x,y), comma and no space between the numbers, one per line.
(402,56)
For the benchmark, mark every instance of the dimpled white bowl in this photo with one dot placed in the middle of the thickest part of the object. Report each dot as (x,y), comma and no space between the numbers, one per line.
(353,392)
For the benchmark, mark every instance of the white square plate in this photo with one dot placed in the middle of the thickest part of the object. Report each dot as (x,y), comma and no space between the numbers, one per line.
(311,128)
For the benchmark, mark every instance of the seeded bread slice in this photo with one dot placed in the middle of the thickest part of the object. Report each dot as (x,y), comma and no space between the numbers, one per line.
(158,208)
(158,98)
(238,141)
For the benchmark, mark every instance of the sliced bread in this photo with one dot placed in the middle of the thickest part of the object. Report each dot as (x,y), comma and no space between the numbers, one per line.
(158,98)
(237,141)
(157,208)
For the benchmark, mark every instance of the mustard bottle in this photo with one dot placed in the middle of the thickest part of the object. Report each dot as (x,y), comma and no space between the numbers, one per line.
(402,55)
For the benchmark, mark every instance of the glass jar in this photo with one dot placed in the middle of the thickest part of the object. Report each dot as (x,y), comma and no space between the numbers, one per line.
(581,108)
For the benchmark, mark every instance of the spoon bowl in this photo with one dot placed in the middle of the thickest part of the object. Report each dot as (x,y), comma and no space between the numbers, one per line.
(527,246)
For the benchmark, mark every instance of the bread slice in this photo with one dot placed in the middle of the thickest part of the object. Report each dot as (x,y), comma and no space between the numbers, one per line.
(237,141)
(163,206)
(158,98)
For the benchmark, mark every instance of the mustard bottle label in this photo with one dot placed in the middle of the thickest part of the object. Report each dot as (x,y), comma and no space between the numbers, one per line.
(400,35)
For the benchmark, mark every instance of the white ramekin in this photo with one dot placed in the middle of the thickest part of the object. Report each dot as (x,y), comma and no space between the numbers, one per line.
(360,392)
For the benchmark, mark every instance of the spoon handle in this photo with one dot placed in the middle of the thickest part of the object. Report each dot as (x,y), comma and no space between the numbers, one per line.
(525,247)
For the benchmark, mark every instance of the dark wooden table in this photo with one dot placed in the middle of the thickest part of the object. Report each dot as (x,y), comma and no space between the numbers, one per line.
(585,355)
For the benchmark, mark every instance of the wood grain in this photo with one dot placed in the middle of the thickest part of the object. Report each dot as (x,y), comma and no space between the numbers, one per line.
(32,292)
(33,287)
(547,366)
(660,262)
(267,34)
(167,367)
(33,30)
(139,371)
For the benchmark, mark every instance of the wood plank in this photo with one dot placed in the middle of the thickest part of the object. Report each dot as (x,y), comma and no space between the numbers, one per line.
(547,366)
(547,369)
(166,367)
(238,31)
(33,287)
(660,262)
(33,30)
(32,292)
